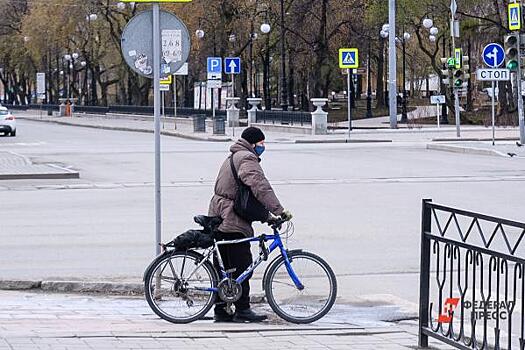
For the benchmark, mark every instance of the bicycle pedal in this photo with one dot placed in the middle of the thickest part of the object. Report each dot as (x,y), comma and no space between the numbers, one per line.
(231,270)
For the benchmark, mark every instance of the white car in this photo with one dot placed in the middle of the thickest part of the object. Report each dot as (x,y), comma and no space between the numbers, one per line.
(7,122)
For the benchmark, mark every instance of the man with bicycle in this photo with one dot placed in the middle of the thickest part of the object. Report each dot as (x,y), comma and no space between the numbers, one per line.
(244,167)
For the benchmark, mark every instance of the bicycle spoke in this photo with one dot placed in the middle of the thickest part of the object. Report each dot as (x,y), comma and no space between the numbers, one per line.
(316,297)
(178,298)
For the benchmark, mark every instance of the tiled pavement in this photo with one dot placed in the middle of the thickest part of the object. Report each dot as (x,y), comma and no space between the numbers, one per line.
(33,320)
(16,166)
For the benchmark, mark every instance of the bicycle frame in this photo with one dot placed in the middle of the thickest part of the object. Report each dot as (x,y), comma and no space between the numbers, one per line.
(276,243)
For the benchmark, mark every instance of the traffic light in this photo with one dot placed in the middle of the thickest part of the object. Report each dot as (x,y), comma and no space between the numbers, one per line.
(460,74)
(458,78)
(446,72)
(511,51)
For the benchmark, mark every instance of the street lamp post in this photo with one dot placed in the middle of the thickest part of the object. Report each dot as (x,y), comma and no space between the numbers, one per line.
(90,97)
(386,33)
(284,85)
(84,89)
(369,87)
(392,91)
(265,29)
(404,114)
(428,23)
(67,80)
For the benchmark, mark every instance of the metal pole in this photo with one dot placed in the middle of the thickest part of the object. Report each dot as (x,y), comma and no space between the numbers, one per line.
(438,116)
(424,272)
(233,85)
(493,115)
(404,116)
(520,97)
(174,96)
(268,101)
(156,114)
(444,117)
(392,91)
(213,104)
(456,107)
(369,87)
(349,81)
(456,92)
(284,85)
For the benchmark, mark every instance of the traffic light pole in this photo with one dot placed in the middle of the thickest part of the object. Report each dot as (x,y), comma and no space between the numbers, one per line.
(456,92)
(156,108)
(520,97)
(392,64)
(456,111)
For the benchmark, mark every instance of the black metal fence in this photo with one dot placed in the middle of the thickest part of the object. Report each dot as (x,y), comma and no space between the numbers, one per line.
(284,117)
(140,110)
(472,279)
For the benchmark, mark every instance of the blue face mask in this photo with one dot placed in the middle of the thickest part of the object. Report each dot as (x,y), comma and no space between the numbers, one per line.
(259,150)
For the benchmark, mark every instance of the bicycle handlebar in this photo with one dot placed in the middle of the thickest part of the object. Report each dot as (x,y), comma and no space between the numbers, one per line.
(276,222)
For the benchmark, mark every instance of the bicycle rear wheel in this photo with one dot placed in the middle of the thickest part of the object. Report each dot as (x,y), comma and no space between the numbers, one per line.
(177,289)
(301,306)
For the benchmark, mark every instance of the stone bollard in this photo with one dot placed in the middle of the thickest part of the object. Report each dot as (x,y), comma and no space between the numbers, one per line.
(232,113)
(319,117)
(253,111)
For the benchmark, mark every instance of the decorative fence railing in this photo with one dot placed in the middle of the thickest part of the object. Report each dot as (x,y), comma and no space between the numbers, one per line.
(472,279)
(141,110)
(284,117)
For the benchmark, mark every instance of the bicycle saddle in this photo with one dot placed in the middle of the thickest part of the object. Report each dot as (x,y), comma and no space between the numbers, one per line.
(209,223)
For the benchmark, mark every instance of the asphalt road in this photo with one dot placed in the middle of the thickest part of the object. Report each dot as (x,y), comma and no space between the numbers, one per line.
(359,206)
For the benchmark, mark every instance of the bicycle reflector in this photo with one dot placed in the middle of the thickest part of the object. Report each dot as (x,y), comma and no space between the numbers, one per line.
(511,51)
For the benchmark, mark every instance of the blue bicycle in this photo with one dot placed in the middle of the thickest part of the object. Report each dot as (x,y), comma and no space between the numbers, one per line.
(182,286)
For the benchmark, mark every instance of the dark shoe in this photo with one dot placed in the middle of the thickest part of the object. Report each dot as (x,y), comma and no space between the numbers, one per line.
(222,316)
(248,316)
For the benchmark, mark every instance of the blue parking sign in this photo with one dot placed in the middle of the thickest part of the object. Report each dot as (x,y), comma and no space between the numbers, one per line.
(214,65)
(232,65)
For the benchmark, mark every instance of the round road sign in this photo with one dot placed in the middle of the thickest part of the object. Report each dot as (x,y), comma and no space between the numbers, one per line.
(137,43)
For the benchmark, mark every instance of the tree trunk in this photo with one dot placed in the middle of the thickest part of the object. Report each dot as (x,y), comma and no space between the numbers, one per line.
(380,92)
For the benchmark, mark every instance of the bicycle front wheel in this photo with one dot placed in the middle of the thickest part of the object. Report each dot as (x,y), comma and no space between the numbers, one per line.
(177,287)
(306,305)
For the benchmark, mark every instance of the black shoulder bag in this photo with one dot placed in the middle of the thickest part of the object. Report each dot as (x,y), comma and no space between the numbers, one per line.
(245,204)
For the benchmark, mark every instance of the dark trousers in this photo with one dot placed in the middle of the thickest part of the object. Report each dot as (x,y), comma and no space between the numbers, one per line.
(236,256)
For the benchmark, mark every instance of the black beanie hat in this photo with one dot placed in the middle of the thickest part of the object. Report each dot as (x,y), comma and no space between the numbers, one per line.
(253,135)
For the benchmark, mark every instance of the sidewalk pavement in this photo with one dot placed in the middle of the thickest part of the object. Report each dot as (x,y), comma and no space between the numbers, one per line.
(33,320)
(15,166)
(384,122)
(500,149)
(418,134)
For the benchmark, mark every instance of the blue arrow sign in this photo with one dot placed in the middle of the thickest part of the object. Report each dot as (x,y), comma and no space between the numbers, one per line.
(215,65)
(232,65)
(493,55)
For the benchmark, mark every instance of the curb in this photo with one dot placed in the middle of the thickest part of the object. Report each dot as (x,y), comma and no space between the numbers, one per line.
(340,141)
(40,176)
(74,287)
(83,287)
(466,150)
(148,131)
(474,139)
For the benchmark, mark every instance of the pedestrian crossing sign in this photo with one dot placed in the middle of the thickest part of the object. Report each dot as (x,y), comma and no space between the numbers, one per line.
(514,16)
(349,58)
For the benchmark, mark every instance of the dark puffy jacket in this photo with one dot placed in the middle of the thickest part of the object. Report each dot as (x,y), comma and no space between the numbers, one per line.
(250,173)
